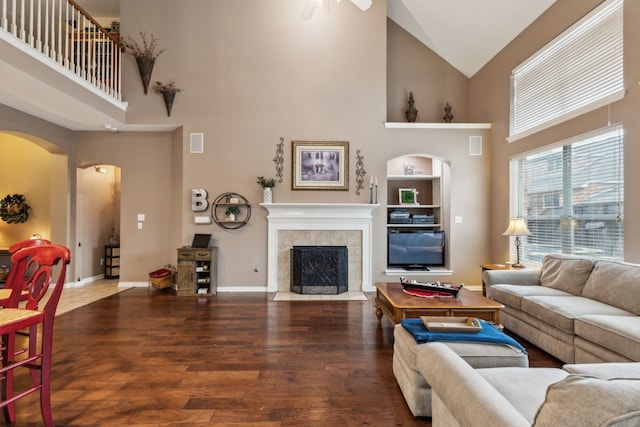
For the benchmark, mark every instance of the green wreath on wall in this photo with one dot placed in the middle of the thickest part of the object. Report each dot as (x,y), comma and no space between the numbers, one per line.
(14,209)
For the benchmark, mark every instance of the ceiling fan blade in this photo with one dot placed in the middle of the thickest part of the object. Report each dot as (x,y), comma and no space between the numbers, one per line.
(362,4)
(307,13)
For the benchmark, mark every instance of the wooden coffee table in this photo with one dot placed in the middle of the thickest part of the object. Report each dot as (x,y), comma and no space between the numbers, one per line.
(393,302)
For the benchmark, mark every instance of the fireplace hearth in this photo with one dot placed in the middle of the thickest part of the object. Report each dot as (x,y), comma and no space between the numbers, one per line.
(319,270)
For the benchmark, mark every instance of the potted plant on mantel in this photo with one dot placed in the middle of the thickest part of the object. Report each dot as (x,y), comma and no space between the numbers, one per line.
(144,54)
(168,92)
(266,184)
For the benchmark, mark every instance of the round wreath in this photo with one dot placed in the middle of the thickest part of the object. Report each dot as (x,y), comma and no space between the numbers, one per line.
(14,209)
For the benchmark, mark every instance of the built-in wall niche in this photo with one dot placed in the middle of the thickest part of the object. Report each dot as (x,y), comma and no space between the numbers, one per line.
(417,214)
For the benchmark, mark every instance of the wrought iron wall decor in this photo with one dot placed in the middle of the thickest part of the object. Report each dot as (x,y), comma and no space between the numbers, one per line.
(279,159)
(360,172)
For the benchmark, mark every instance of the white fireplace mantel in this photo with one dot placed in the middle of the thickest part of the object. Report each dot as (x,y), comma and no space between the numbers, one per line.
(319,216)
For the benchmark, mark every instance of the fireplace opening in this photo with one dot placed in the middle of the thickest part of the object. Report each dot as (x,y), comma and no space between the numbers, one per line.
(319,270)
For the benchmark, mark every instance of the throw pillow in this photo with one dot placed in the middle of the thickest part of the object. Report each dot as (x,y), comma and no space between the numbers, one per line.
(565,273)
(580,401)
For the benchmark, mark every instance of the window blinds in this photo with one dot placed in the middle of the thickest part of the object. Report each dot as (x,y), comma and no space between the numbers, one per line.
(580,70)
(572,197)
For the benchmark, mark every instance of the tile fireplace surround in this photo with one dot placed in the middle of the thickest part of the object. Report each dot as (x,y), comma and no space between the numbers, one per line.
(348,224)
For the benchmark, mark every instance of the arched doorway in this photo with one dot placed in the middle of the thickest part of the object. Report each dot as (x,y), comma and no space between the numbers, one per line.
(97,217)
(38,170)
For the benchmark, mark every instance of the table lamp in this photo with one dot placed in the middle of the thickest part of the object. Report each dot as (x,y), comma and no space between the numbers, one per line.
(517,228)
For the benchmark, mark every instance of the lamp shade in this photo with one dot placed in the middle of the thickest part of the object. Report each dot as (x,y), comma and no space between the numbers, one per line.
(517,227)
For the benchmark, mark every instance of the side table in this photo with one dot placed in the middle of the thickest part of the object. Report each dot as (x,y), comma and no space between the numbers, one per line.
(494,267)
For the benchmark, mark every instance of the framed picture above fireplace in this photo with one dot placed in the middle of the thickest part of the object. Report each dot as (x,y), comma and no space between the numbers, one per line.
(320,165)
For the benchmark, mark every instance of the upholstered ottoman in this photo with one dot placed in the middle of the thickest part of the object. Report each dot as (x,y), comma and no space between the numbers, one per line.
(416,390)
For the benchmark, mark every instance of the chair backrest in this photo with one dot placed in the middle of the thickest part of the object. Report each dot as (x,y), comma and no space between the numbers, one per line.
(28,243)
(13,272)
(35,267)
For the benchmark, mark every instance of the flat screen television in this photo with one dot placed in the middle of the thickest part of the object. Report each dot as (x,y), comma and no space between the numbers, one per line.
(415,250)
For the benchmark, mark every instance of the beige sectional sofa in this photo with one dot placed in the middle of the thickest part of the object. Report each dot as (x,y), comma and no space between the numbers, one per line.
(577,309)
(605,394)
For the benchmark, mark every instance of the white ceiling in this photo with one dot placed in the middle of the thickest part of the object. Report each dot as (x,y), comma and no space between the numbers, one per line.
(466,33)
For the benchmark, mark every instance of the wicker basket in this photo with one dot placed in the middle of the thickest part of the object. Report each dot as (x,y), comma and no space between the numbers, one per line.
(161,283)
(161,278)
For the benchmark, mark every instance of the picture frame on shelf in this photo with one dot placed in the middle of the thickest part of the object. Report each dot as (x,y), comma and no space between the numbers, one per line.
(320,165)
(407,196)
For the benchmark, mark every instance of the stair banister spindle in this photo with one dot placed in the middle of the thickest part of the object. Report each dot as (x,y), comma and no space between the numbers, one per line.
(22,27)
(66,39)
(60,27)
(39,27)
(31,40)
(13,18)
(45,44)
(3,18)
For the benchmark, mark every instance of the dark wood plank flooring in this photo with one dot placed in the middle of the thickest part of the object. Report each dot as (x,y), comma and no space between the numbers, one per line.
(153,359)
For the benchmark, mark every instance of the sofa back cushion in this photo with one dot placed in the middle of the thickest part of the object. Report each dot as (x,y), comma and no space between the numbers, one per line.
(565,273)
(615,283)
(583,400)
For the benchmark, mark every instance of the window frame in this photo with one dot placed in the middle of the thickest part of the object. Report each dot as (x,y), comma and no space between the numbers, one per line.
(580,218)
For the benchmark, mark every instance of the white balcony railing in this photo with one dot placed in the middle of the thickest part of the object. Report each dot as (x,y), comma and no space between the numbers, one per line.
(63,32)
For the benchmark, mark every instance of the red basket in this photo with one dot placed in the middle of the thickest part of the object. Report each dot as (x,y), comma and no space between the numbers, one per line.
(159,274)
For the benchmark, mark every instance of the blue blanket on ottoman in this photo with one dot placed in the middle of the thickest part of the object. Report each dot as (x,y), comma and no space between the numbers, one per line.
(488,335)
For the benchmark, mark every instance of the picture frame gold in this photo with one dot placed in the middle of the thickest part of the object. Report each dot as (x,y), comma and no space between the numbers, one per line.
(320,165)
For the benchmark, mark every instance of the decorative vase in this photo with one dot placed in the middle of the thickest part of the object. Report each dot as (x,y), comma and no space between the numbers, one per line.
(168,101)
(145,67)
(411,113)
(447,114)
(267,195)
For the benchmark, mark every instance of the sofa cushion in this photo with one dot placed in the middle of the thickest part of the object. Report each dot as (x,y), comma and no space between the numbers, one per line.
(509,383)
(605,370)
(613,283)
(620,334)
(476,355)
(512,295)
(581,400)
(565,272)
(561,311)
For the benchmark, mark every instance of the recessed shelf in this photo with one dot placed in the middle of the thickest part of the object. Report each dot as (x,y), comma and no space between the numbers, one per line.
(401,125)
(414,206)
(414,225)
(412,177)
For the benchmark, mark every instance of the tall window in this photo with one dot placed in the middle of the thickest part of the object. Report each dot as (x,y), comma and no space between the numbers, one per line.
(578,71)
(572,197)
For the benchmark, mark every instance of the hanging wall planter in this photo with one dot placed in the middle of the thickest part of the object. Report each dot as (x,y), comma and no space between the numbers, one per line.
(145,67)
(14,209)
(145,55)
(168,92)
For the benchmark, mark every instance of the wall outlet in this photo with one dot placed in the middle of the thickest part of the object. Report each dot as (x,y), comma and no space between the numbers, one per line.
(101,261)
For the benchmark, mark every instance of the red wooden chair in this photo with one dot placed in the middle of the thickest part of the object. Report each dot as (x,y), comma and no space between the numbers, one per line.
(36,266)
(5,293)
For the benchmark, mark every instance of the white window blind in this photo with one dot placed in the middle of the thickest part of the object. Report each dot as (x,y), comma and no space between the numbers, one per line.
(572,197)
(580,70)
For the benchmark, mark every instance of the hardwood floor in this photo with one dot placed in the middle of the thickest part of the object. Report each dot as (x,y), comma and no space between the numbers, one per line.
(153,359)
